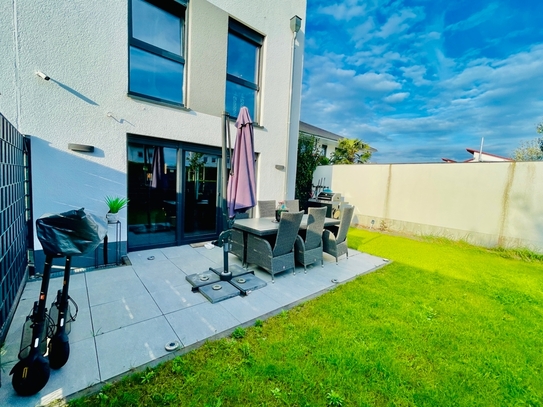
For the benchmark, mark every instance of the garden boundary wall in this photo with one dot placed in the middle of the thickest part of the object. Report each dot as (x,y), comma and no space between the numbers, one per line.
(484,203)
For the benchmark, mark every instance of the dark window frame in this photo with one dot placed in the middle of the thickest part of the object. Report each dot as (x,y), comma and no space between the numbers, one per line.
(252,37)
(177,8)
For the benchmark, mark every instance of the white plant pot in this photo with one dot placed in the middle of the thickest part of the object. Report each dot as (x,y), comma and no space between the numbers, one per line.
(112,217)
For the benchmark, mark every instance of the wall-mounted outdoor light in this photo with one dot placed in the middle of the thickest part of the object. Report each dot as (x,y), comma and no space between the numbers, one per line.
(279,167)
(42,75)
(295,24)
(82,148)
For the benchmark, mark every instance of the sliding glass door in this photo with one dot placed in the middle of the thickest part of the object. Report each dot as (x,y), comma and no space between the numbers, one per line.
(173,191)
(200,198)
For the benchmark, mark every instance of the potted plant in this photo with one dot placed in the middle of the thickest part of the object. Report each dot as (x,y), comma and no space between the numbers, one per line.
(115,204)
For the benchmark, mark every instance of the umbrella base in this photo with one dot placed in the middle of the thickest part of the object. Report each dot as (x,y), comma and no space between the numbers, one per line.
(247,283)
(233,270)
(202,279)
(219,291)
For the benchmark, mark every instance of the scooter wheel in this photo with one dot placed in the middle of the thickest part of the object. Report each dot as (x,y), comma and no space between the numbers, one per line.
(30,376)
(59,351)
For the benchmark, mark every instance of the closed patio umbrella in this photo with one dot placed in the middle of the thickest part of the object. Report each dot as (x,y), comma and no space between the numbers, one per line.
(241,183)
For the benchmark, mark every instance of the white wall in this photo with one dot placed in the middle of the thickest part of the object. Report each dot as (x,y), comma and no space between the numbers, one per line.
(488,203)
(83,47)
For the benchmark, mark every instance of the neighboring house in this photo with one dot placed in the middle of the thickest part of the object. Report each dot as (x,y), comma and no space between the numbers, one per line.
(143,82)
(479,156)
(327,141)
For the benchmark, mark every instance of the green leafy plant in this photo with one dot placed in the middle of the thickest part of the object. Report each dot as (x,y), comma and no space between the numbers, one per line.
(147,377)
(238,333)
(115,204)
(334,399)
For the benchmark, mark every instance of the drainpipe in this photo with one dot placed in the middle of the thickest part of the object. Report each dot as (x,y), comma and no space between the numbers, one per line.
(295,25)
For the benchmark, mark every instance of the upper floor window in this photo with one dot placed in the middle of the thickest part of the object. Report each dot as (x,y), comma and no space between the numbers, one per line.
(156,60)
(243,69)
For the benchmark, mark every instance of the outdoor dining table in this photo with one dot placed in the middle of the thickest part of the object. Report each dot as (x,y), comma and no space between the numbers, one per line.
(267,226)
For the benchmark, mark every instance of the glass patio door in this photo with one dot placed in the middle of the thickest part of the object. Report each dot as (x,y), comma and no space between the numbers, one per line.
(200,196)
(152,191)
(174,193)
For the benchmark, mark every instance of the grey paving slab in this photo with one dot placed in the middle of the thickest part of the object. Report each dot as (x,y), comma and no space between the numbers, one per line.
(123,312)
(216,254)
(179,251)
(198,323)
(252,306)
(160,276)
(82,326)
(194,264)
(80,372)
(107,291)
(144,256)
(132,346)
(109,275)
(175,298)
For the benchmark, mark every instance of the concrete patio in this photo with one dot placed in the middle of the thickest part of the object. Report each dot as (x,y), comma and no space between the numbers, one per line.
(128,314)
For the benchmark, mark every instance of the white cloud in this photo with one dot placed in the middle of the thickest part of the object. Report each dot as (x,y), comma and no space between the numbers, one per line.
(346,10)
(475,19)
(396,97)
(372,81)
(396,24)
(416,74)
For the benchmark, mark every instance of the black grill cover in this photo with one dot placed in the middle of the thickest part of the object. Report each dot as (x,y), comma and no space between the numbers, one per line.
(71,233)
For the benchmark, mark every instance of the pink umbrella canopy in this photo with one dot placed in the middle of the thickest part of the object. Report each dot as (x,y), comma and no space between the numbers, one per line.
(241,184)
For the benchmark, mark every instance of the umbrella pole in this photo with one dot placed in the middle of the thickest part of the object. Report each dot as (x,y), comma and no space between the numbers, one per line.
(224,237)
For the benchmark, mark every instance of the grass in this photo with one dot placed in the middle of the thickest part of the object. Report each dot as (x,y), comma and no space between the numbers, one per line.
(445,324)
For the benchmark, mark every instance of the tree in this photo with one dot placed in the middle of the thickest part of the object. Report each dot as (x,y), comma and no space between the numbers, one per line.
(309,157)
(351,151)
(530,150)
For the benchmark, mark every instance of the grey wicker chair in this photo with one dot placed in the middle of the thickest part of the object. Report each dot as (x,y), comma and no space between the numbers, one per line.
(308,246)
(266,209)
(237,243)
(336,244)
(293,205)
(276,254)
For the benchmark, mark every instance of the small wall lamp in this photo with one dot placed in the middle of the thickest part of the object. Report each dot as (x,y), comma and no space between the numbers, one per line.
(279,167)
(82,148)
(295,24)
(42,75)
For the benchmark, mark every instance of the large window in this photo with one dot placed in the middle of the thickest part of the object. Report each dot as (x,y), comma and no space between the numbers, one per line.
(243,69)
(156,60)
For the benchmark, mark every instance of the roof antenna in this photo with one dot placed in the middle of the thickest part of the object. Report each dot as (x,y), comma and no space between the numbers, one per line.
(481,149)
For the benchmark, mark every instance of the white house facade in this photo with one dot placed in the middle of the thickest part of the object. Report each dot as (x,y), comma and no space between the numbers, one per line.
(126,98)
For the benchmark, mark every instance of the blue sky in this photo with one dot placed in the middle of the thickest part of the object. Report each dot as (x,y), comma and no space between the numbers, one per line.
(420,80)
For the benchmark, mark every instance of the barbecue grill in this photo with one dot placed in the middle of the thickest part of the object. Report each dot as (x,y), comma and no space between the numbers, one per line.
(332,201)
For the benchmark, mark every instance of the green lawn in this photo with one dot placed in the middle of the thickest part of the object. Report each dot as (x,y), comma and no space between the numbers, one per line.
(445,324)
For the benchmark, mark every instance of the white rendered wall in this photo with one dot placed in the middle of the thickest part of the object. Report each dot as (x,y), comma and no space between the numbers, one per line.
(83,47)
(488,203)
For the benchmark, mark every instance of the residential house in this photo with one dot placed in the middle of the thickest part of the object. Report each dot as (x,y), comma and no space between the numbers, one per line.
(108,90)
(478,156)
(327,141)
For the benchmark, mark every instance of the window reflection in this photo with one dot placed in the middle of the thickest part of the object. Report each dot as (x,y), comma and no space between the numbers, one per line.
(238,96)
(242,70)
(156,63)
(155,76)
(156,27)
(242,58)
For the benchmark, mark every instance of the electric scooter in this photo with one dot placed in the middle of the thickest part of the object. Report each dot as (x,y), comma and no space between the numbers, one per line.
(59,345)
(32,371)
(66,234)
